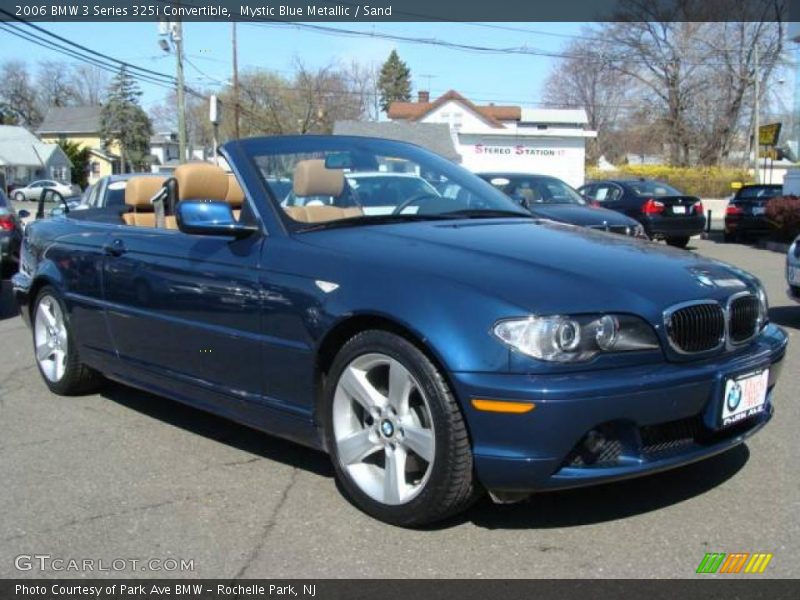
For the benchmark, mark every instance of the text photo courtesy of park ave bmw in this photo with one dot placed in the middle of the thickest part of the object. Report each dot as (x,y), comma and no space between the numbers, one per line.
(323,299)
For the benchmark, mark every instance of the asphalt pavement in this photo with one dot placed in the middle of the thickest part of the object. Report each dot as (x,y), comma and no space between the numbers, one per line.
(124,475)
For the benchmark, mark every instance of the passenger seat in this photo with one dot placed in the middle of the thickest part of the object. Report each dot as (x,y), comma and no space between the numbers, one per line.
(138,193)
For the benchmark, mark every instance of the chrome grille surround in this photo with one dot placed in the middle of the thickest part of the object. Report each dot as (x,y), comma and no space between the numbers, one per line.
(695,327)
(704,326)
(743,316)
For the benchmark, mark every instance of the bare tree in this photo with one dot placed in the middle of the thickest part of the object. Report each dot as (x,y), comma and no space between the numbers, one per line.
(586,80)
(89,84)
(54,84)
(18,94)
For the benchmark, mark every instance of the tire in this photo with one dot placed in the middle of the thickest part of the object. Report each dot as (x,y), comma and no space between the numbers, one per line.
(436,461)
(678,242)
(19,197)
(61,369)
(729,238)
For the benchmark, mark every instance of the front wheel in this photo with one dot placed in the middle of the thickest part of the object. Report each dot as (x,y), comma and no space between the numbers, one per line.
(678,242)
(395,432)
(56,352)
(19,197)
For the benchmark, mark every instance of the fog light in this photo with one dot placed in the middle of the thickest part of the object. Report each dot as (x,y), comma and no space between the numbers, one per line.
(594,441)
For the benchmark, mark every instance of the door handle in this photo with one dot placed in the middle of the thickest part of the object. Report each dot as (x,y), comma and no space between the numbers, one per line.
(114,248)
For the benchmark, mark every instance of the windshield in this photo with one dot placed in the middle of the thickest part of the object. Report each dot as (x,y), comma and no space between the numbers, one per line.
(653,188)
(535,190)
(362,180)
(759,192)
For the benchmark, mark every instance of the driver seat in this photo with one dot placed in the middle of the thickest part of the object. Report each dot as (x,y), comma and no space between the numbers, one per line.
(312,178)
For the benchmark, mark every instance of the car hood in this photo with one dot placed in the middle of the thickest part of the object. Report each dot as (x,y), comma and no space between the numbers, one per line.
(585,216)
(539,266)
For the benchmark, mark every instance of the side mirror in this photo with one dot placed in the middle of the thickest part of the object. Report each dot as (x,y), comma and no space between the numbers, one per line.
(23,214)
(196,217)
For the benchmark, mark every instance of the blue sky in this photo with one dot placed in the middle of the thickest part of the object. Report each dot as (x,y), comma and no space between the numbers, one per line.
(481,77)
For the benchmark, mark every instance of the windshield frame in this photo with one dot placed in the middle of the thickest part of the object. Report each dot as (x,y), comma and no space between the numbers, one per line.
(248,150)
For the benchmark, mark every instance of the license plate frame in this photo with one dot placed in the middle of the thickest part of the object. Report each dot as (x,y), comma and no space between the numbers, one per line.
(743,396)
(679,210)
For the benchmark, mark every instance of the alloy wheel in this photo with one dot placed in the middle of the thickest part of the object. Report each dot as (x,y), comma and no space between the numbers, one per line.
(383,430)
(50,338)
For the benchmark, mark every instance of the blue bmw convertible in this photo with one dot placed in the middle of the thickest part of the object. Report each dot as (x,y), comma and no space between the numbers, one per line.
(441,344)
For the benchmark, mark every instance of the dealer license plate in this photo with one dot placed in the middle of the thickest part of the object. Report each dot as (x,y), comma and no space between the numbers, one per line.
(759,210)
(679,210)
(744,397)
(794,275)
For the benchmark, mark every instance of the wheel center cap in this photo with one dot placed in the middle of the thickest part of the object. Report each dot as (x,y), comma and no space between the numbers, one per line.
(387,428)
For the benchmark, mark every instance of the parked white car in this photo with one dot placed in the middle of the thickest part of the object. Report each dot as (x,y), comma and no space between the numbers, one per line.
(793,270)
(33,190)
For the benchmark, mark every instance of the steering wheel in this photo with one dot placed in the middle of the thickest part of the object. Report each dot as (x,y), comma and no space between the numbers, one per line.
(421,197)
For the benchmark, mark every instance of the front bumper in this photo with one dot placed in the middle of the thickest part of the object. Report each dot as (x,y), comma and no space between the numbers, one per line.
(658,417)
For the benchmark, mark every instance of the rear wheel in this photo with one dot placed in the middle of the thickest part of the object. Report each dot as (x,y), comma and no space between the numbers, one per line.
(55,349)
(395,432)
(19,197)
(729,238)
(678,242)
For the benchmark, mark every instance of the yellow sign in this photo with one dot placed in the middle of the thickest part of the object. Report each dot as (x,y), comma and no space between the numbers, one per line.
(768,134)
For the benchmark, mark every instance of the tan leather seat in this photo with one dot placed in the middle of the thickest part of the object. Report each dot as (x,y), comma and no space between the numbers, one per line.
(312,178)
(138,193)
(201,181)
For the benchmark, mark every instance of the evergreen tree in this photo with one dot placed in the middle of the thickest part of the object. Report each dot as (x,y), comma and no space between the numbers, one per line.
(394,83)
(123,120)
(79,156)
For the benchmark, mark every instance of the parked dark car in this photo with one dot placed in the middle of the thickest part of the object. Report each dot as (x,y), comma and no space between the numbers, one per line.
(550,198)
(107,191)
(666,213)
(454,345)
(10,236)
(745,215)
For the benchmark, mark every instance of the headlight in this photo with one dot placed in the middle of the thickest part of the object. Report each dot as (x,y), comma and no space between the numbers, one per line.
(562,338)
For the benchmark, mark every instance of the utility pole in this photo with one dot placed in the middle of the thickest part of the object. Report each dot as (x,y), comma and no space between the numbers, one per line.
(235,84)
(756,123)
(177,38)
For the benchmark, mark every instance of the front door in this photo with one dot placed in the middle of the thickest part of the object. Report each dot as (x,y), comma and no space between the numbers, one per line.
(186,309)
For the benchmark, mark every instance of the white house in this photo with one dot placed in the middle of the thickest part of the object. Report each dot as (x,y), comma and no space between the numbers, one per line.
(506,138)
(24,157)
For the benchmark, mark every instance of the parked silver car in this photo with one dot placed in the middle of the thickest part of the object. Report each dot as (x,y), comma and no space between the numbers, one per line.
(33,190)
(793,270)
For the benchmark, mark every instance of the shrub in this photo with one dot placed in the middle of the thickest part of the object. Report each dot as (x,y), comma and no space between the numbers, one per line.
(783,213)
(704,182)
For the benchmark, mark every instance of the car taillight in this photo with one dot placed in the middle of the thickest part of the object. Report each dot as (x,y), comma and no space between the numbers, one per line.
(653,207)
(733,210)
(594,204)
(698,208)
(6,223)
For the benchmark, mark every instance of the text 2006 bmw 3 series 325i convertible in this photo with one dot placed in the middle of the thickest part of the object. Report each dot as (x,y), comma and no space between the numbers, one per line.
(419,326)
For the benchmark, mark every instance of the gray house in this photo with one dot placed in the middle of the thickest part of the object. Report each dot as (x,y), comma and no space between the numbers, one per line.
(433,136)
(24,157)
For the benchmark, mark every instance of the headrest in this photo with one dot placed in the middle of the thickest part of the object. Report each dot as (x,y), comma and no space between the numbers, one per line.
(235,195)
(201,181)
(311,178)
(139,191)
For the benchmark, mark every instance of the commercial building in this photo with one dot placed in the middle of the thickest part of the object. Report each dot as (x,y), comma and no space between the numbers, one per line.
(506,138)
